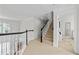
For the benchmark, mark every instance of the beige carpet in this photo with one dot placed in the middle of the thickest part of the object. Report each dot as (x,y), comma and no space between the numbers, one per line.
(46,48)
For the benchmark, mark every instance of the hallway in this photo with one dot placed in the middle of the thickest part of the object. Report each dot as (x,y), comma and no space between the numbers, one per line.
(37,48)
(45,23)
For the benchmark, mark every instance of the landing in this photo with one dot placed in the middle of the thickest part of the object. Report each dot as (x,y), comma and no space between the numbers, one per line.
(35,48)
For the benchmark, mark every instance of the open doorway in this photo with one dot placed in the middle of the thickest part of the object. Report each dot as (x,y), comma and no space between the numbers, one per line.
(68,31)
(67,41)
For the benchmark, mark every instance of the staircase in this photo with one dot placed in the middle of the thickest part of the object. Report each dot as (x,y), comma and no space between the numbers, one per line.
(48,38)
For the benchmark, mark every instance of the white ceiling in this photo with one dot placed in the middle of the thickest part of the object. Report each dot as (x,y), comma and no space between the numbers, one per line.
(23,11)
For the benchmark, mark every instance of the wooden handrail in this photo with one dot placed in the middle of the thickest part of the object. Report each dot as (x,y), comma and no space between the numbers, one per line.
(44,25)
(43,28)
(3,34)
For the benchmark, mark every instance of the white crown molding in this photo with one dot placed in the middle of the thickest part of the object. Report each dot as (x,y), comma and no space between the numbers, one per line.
(8,18)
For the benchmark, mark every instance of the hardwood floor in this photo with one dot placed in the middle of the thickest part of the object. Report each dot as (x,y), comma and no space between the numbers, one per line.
(67,44)
(35,47)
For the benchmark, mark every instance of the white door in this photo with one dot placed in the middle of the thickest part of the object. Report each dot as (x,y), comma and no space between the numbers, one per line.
(68,29)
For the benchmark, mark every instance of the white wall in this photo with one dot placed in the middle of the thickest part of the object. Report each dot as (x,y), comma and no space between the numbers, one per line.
(71,15)
(31,24)
(55,39)
(63,20)
(61,12)
(13,24)
(77,30)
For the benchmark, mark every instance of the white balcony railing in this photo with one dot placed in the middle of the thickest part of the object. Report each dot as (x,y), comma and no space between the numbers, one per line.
(13,43)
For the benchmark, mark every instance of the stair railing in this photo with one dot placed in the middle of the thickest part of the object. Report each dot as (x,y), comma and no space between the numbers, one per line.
(42,29)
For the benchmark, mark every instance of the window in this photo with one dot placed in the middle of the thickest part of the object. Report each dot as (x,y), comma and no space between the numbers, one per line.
(4,45)
(1,26)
